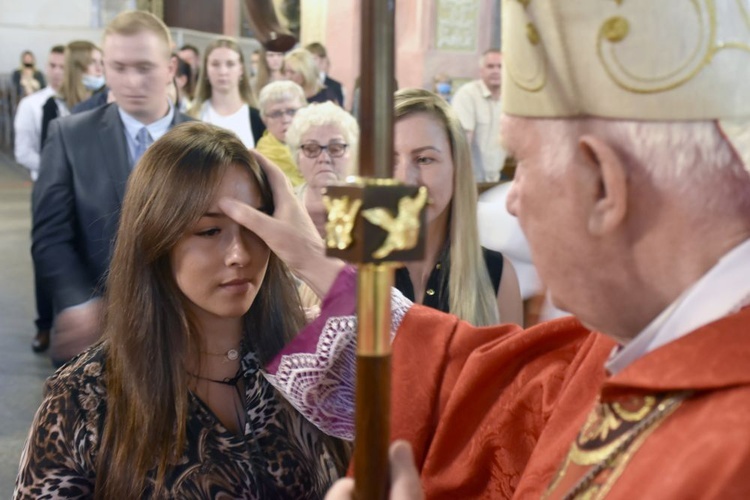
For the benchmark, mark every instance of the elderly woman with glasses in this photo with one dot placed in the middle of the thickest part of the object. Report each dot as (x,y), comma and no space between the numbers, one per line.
(279,102)
(322,139)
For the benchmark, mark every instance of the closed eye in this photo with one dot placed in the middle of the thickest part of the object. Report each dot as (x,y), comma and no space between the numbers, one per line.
(207,233)
(425,160)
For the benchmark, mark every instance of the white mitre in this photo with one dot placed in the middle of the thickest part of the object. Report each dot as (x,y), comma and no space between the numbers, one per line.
(656,60)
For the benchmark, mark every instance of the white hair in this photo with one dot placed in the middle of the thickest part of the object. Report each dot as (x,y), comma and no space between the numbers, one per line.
(691,157)
(319,115)
(279,91)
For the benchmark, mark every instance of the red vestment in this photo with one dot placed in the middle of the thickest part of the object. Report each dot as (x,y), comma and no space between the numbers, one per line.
(492,412)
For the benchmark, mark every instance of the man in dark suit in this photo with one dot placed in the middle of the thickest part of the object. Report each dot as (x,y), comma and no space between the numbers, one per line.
(320,54)
(85,165)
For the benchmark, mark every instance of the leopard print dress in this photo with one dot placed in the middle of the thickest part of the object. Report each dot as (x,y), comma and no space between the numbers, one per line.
(280,454)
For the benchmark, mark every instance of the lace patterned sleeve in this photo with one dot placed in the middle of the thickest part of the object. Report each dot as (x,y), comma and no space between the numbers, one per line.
(316,371)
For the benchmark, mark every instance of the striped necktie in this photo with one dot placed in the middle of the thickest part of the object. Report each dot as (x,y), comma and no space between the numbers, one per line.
(142,141)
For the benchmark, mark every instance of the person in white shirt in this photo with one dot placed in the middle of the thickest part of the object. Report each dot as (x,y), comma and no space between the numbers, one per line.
(27,126)
(224,96)
(477,104)
(27,123)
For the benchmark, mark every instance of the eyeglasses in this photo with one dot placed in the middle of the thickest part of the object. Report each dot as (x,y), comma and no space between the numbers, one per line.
(281,112)
(313,149)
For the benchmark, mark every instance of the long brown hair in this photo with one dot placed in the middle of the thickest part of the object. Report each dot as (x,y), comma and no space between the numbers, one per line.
(203,88)
(148,331)
(468,270)
(78,56)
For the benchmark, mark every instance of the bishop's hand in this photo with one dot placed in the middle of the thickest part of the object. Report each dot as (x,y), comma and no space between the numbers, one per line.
(404,477)
(289,232)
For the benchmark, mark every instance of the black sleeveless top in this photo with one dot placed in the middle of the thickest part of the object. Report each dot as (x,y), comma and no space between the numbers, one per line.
(436,294)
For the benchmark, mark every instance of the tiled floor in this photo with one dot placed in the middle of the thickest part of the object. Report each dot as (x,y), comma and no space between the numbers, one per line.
(22,372)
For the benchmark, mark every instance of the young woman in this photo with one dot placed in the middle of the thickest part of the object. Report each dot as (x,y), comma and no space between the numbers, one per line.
(171,403)
(323,140)
(300,67)
(270,68)
(431,150)
(84,75)
(223,96)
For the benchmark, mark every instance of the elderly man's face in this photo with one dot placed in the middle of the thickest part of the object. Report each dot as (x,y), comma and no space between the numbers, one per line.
(548,209)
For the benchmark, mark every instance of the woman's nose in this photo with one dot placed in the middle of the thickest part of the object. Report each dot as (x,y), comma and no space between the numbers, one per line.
(406,173)
(238,252)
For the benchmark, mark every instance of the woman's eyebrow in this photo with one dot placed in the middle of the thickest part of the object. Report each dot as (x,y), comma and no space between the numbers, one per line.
(422,149)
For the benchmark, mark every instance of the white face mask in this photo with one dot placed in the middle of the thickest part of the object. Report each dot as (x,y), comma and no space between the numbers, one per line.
(92,82)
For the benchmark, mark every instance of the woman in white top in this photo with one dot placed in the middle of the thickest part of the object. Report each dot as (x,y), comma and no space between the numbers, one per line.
(224,96)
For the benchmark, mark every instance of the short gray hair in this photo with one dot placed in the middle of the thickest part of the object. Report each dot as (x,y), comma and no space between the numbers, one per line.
(319,115)
(691,157)
(278,91)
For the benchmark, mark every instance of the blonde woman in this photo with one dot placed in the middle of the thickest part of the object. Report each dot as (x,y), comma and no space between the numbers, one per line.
(27,78)
(279,102)
(84,75)
(223,96)
(300,67)
(457,275)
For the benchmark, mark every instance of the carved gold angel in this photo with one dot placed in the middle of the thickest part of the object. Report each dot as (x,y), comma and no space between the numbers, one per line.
(340,221)
(403,230)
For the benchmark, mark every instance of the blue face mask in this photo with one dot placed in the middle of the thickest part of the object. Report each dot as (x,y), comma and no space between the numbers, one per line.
(443,88)
(92,82)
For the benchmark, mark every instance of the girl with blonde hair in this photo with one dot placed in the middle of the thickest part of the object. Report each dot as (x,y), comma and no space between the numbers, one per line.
(300,67)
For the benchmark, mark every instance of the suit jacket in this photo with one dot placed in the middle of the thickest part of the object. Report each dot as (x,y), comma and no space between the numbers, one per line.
(50,111)
(76,202)
(98,99)
(336,89)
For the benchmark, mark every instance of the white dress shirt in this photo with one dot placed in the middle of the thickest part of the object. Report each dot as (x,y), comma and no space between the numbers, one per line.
(28,129)
(155,129)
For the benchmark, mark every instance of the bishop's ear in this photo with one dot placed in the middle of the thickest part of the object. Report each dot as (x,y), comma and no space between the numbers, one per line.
(608,184)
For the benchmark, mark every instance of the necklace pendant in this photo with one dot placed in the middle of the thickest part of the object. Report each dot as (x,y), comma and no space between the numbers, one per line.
(232,354)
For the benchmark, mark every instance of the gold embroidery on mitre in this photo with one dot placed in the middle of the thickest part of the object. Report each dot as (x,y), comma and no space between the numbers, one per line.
(532,34)
(531,74)
(615,29)
(613,34)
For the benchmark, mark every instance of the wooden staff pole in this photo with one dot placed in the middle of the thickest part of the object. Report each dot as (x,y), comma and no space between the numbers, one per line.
(372,435)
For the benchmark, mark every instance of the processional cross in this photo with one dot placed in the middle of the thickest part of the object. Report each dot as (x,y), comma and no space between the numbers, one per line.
(375,223)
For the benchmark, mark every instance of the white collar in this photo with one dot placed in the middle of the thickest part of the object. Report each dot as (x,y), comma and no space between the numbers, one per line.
(722,291)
